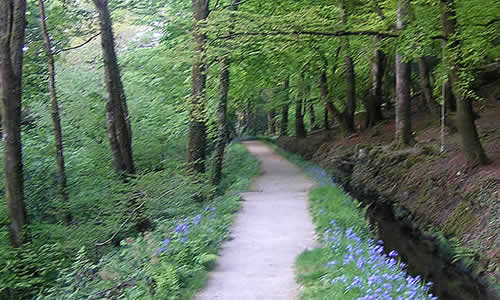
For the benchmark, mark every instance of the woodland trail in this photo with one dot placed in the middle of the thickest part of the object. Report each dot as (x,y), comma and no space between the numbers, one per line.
(272,228)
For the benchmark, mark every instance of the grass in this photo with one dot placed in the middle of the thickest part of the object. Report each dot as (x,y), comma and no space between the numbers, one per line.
(349,264)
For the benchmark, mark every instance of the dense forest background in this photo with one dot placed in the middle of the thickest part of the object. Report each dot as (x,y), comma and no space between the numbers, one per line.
(127,108)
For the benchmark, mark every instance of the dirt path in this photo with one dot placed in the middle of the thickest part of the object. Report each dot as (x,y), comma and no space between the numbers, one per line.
(272,228)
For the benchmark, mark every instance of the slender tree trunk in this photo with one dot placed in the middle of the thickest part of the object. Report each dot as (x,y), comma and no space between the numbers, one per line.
(270,122)
(197,128)
(222,133)
(284,109)
(12,33)
(425,85)
(326,122)
(350,76)
(471,143)
(375,98)
(56,120)
(300,130)
(220,143)
(312,117)
(330,108)
(403,82)
(118,123)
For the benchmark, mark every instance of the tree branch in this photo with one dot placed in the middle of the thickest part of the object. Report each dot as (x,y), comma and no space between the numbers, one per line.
(105,293)
(312,33)
(121,226)
(78,46)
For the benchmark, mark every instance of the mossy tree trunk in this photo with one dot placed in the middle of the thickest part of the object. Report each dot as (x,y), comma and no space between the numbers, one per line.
(350,76)
(118,123)
(403,84)
(426,86)
(375,97)
(471,144)
(222,133)
(196,152)
(12,34)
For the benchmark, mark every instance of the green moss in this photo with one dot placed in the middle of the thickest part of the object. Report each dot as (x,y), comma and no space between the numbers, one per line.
(459,220)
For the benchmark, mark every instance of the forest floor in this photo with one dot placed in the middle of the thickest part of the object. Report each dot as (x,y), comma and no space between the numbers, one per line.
(442,192)
(271,230)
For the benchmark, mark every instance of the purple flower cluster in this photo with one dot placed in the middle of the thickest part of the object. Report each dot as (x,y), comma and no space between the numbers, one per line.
(183,228)
(375,274)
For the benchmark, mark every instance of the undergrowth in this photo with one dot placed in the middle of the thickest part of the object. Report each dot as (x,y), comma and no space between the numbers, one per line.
(103,257)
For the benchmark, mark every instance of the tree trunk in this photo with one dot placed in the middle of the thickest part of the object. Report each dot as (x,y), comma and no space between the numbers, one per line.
(284,109)
(118,123)
(350,107)
(220,143)
(330,108)
(197,127)
(375,97)
(222,132)
(12,33)
(471,143)
(326,121)
(270,122)
(425,85)
(403,82)
(312,117)
(300,130)
(56,120)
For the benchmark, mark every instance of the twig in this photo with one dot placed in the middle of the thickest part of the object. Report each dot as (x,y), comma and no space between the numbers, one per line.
(121,226)
(104,293)
(78,46)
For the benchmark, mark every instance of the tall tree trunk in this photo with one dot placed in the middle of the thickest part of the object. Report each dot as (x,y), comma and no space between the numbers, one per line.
(285,108)
(374,100)
(425,85)
(56,120)
(197,128)
(350,107)
(270,122)
(118,123)
(471,143)
(403,82)
(12,33)
(312,117)
(326,121)
(222,132)
(220,143)
(300,130)
(330,107)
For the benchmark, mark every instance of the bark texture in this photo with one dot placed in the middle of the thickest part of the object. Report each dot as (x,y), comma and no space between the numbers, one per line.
(222,132)
(375,98)
(56,120)
(426,86)
(312,117)
(300,130)
(12,33)
(329,106)
(220,143)
(196,152)
(284,109)
(350,75)
(403,83)
(118,123)
(471,143)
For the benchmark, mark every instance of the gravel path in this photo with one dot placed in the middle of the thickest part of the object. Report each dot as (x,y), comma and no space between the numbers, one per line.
(271,230)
